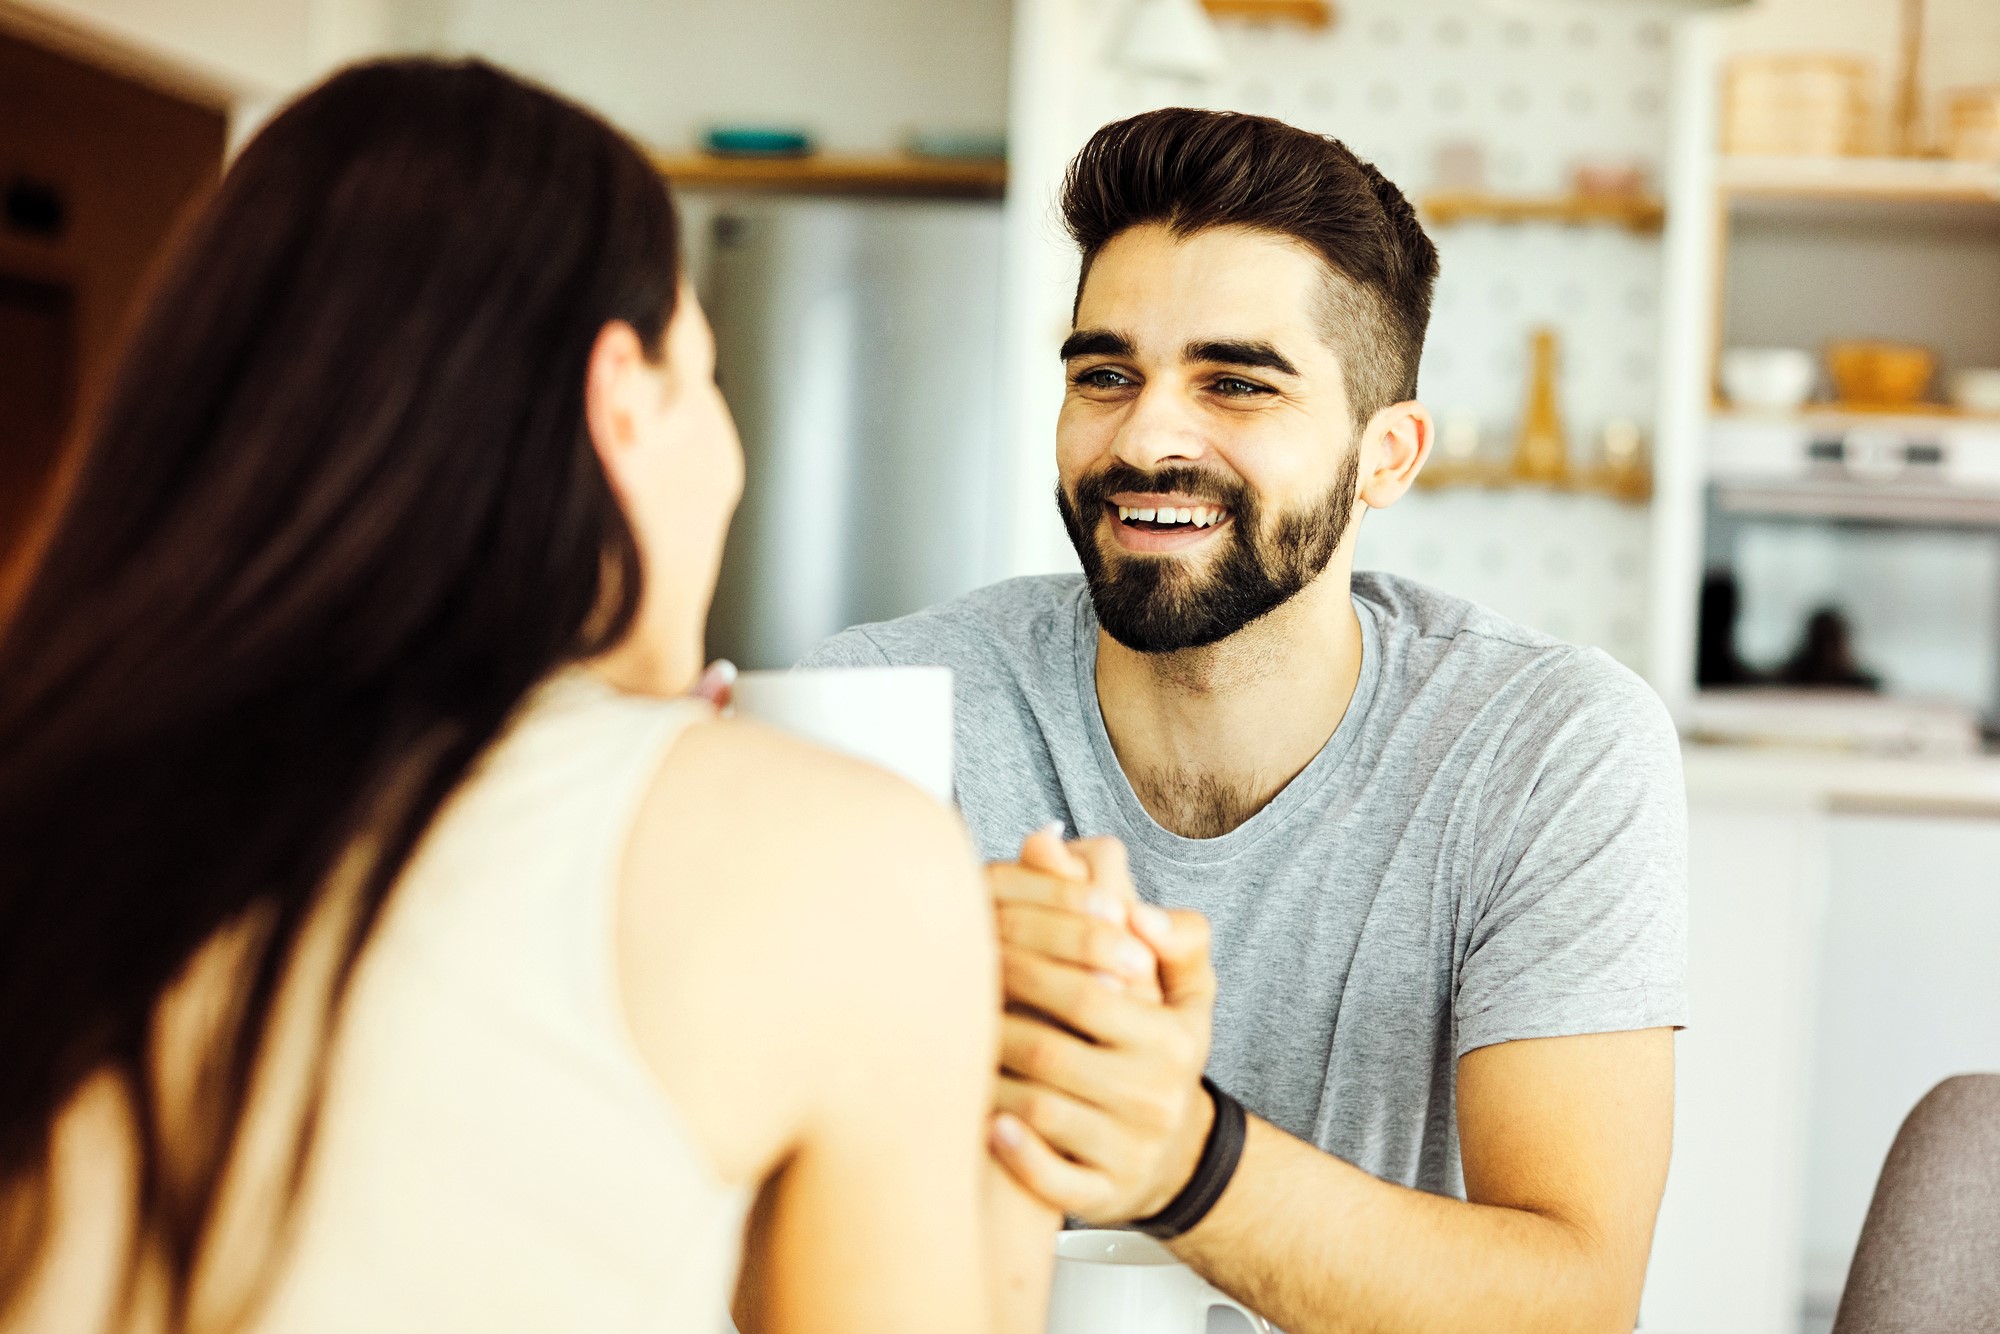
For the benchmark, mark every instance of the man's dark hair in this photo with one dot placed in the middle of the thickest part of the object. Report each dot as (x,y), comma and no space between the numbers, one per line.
(1192,170)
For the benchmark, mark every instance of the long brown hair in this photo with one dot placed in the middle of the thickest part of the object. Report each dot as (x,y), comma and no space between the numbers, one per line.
(336,515)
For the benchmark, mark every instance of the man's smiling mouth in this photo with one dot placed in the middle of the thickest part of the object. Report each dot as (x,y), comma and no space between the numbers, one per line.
(1170,518)
(1164,512)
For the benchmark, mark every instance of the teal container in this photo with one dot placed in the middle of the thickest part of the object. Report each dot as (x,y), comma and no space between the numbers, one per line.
(756,141)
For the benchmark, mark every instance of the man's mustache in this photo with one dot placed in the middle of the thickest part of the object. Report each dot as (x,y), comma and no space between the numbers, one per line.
(1096,490)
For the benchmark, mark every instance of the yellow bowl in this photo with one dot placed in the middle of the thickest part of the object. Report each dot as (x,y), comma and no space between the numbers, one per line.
(1879,375)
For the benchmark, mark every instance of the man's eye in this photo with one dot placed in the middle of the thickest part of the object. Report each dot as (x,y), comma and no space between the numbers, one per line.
(1233,387)
(1100,377)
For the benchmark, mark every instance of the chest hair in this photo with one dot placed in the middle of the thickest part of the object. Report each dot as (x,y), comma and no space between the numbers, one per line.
(1197,805)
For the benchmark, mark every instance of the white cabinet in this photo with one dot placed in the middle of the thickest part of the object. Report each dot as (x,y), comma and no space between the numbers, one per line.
(1909,993)
(1843,957)
(1726,1252)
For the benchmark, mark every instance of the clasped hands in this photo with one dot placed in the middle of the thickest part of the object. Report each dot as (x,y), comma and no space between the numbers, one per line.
(1109,1006)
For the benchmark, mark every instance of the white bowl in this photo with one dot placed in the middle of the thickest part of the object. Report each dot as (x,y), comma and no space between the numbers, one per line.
(1977,389)
(1774,379)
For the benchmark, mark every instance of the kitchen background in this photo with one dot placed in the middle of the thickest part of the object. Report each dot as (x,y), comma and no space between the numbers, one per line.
(1683,474)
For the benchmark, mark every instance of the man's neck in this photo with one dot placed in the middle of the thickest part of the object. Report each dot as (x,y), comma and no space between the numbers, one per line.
(1208,736)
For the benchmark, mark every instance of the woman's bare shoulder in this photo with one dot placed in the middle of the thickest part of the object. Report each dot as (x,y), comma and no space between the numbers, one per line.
(792,903)
(767,802)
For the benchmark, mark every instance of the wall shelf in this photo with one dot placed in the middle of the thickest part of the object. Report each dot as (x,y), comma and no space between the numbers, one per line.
(827,174)
(1632,485)
(1315,14)
(1838,417)
(1860,179)
(1639,213)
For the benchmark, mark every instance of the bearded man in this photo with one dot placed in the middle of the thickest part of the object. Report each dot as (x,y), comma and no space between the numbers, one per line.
(1426,867)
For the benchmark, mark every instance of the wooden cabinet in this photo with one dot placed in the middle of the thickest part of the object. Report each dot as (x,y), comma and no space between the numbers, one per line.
(95,170)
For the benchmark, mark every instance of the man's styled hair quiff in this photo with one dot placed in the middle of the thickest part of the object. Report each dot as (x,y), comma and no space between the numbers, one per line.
(1192,170)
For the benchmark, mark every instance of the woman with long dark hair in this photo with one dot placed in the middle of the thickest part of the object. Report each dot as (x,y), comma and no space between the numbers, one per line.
(386,941)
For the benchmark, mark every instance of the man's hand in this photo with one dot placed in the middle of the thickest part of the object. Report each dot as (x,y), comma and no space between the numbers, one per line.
(1074,903)
(1101,1107)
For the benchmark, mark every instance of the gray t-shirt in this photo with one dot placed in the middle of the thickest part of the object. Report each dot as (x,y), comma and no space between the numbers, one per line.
(1491,846)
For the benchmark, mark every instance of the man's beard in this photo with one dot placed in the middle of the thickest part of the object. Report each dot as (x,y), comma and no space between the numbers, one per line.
(1156,603)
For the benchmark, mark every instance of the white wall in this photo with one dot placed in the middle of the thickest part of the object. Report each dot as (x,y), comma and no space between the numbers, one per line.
(860,74)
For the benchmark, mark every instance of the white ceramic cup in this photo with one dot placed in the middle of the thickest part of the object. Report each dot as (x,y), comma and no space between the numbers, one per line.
(1110,1282)
(1977,389)
(1776,379)
(897,717)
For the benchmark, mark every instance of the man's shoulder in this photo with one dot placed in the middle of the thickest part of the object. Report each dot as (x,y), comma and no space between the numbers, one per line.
(1433,635)
(1410,612)
(1004,620)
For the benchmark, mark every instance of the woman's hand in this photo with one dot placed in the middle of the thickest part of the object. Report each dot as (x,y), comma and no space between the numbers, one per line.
(716,683)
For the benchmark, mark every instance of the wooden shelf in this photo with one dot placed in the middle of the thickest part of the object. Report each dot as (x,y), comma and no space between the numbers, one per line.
(1640,213)
(1634,486)
(1315,14)
(825,174)
(1861,179)
(1845,417)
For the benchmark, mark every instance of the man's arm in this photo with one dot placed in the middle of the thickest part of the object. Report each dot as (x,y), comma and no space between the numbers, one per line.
(1564,1143)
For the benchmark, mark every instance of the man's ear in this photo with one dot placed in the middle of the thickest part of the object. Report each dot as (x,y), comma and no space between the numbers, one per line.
(1394,447)
(613,385)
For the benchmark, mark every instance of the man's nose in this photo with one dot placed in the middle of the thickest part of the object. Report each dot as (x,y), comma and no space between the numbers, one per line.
(1161,427)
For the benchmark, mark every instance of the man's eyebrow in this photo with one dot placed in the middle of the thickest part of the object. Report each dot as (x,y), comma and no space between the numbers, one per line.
(1096,343)
(1232,352)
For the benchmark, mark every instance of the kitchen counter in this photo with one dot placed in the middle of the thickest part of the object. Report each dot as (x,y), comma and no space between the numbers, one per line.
(1844,782)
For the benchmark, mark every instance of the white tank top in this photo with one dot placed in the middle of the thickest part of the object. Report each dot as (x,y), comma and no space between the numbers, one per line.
(493,1152)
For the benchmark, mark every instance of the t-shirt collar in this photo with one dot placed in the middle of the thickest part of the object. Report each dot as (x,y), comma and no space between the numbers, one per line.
(1141,829)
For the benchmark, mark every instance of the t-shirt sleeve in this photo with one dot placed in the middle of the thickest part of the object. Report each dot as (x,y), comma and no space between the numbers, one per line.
(1578,922)
(849,648)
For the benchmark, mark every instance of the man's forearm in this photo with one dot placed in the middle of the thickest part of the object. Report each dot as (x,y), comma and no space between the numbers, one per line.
(1321,1247)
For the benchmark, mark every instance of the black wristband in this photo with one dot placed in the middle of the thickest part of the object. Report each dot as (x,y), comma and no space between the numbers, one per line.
(1212,1171)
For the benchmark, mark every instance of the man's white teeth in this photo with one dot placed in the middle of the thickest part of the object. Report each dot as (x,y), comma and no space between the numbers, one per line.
(1200,516)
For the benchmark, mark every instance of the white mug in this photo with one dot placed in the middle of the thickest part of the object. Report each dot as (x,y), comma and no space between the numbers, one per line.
(897,717)
(1110,1282)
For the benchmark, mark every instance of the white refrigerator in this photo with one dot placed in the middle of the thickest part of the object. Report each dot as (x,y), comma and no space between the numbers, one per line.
(857,343)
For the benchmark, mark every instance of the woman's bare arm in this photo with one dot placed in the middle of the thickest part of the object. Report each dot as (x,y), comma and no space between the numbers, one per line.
(808,960)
